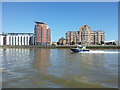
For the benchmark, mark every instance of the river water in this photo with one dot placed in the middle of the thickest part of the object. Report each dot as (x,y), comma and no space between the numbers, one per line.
(58,68)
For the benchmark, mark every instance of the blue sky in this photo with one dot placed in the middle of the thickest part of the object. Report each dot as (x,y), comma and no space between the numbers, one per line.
(61,17)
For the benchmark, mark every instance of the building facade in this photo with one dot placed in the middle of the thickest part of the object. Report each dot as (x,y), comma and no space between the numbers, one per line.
(62,41)
(42,34)
(112,42)
(17,39)
(97,37)
(72,36)
(85,36)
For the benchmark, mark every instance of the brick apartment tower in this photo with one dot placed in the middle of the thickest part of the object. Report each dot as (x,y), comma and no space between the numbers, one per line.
(42,34)
(85,35)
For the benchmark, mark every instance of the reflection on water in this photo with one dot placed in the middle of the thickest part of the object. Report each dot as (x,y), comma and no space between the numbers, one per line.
(58,68)
(42,59)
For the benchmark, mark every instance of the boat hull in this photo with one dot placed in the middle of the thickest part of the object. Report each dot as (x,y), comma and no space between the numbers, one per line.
(79,50)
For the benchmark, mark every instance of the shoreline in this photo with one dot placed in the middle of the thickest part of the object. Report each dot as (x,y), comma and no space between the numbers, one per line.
(64,46)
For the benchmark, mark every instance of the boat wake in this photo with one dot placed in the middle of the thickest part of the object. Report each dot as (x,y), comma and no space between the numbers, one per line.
(112,52)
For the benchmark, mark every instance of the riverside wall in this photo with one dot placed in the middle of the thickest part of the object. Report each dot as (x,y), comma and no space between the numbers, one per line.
(65,46)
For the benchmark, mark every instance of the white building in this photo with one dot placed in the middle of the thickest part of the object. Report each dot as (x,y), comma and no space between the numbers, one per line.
(112,42)
(17,39)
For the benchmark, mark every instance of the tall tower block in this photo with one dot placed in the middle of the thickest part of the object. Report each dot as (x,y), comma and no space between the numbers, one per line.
(42,33)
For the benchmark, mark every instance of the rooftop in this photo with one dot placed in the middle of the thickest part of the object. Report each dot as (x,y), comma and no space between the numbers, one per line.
(85,27)
(62,38)
(17,33)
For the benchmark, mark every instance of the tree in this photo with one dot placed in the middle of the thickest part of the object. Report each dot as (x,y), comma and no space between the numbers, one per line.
(114,43)
(73,43)
(58,43)
(53,44)
(102,42)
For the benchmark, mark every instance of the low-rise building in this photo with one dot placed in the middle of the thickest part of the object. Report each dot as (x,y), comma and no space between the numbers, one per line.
(62,41)
(17,39)
(54,43)
(112,42)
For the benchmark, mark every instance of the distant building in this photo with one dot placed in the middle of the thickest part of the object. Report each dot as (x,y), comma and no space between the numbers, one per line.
(97,37)
(17,39)
(62,41)
(42,34)
(54,43)
(91,37)
(85,36)
(118,42)
(72,36)
(112,42)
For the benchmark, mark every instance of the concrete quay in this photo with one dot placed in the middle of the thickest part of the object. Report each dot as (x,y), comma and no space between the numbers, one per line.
(64,46)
